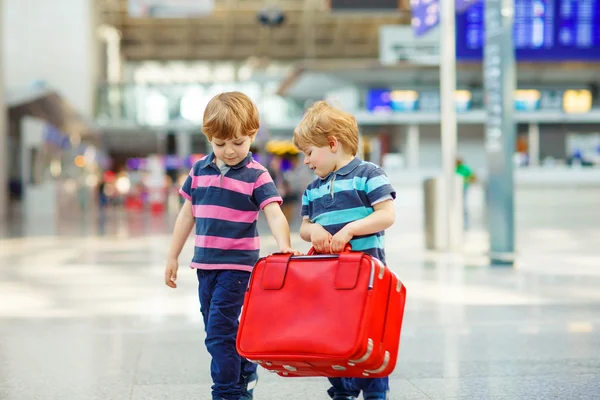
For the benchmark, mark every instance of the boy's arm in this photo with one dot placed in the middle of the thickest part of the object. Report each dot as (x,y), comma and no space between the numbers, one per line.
(306,229)
(183,227)
(279,227)
(382,218)
(317,235)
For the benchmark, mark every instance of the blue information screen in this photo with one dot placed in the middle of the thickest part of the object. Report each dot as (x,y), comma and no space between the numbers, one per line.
(544,30)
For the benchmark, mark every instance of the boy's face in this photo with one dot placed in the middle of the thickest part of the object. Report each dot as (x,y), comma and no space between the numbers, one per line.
(321,160)
(232,151)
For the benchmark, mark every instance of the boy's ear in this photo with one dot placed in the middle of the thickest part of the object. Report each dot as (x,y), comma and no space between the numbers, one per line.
(333,143)
(252,138)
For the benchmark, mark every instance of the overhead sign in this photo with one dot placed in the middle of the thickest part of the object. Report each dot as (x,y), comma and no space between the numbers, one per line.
(169,8)
(544,30)
(461,5)
(399,43)
(425,15)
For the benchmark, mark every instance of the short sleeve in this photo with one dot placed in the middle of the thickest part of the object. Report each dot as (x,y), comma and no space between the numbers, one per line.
(304,210)
(265,191)
(378,186)
(186,189)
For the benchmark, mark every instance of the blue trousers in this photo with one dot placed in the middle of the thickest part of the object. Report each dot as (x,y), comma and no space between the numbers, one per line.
(372,388)
(221,294)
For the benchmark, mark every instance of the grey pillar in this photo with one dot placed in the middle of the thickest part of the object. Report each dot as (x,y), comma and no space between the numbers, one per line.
(161,143)
(499,86)
(533,144)
(184,144)
(3,138)
(412,147)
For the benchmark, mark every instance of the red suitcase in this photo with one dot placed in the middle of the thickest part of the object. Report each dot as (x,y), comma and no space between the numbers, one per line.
(334,315)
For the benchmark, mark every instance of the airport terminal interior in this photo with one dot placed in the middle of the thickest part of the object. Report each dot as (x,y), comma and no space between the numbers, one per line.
(490,138)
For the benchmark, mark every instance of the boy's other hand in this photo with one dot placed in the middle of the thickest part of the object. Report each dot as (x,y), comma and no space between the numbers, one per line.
(171,273)
(288,250)
(340,239)
(321,239)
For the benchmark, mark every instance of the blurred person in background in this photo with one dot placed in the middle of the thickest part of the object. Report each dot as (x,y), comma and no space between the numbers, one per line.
(276,172)
(468,178)
(296,179)
(280,178)
(102,197)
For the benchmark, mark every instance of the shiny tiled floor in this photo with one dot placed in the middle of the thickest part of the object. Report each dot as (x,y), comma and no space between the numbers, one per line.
(84,313)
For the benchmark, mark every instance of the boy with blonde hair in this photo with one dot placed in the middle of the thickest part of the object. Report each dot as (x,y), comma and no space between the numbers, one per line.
(224,193)
(351,201)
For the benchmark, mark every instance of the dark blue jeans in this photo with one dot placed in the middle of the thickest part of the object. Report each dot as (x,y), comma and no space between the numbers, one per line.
(221,294)
(372,388)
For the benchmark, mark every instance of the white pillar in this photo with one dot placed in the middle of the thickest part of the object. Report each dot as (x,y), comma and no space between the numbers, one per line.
(57,44)
(375,153)
(411,149)
(111,38)
(533,144)
(3,135)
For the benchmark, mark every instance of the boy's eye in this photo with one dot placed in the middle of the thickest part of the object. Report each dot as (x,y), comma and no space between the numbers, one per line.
(239,144)
(219,144)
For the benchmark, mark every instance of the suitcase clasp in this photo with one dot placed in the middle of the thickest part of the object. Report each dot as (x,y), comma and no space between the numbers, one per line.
(380,274)
(381,269)
(386,361)
(366,356)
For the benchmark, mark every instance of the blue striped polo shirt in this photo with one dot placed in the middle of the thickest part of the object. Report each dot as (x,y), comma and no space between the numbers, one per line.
(348,195)
(225,208)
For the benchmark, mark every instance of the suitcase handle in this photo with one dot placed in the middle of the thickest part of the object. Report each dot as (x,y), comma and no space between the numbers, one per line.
(346,277)
(312,252)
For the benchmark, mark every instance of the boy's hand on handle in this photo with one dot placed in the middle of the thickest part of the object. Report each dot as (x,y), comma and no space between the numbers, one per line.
(171,273)
(288,250)
(340,239)
(320,239)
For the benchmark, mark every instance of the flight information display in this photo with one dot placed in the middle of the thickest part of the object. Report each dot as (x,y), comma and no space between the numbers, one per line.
(544,30)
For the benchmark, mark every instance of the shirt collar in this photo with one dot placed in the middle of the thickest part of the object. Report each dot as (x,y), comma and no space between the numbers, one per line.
(209,160)
(346,169)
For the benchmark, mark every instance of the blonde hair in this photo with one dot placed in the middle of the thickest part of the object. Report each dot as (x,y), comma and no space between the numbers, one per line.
(320,122)
(230,114)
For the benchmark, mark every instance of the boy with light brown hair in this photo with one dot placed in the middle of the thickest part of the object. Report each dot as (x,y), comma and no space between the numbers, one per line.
(351,201)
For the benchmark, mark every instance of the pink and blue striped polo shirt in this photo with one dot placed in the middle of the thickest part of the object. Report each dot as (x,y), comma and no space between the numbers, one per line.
(226,207)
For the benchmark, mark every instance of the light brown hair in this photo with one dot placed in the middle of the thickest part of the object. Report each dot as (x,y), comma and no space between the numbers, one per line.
(320,122)
(230,114)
